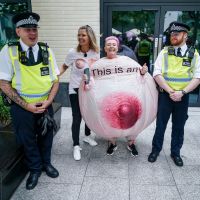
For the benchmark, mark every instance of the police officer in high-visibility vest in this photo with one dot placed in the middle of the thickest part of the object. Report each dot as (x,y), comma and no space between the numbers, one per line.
(177,72)
(28,76)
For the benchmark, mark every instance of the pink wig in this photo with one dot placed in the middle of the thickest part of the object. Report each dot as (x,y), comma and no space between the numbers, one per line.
(112,38)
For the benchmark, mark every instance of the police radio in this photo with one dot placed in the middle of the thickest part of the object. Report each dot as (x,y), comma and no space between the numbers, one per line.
(22,57)
(45,56)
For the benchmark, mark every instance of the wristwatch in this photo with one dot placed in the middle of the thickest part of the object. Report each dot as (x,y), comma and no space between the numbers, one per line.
(183,92)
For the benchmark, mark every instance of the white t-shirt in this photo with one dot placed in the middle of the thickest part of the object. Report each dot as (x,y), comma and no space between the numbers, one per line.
(6,69)
(76,73)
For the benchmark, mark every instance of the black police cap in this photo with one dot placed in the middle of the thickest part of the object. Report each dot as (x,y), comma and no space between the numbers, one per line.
(178,27)
(26,19)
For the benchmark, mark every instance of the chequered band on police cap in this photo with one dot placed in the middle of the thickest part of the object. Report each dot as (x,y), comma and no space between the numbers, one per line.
(30,20)
(178,28)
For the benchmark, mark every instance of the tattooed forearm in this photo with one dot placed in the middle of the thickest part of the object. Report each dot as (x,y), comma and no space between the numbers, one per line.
(17,99)
(12,93)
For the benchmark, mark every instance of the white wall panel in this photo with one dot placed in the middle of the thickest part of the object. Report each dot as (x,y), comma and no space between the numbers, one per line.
(60,20)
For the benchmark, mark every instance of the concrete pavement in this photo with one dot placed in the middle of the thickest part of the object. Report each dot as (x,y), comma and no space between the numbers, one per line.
(120,177)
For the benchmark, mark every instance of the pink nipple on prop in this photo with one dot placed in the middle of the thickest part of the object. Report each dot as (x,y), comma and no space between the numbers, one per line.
(121,110)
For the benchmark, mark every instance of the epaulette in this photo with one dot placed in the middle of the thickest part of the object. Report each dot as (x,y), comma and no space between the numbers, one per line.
(45,53)
(166,48)
(13,43)
(43,44)
(191,52)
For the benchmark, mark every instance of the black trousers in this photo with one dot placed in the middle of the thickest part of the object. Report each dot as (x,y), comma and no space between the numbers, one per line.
(179,111)
(37,148)
(76,118)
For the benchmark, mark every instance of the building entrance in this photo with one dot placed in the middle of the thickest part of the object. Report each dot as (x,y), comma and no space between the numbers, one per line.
(133,24)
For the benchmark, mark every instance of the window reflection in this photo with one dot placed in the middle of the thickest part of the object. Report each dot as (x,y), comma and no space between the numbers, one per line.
(132,23)
(135,30)
(7,30)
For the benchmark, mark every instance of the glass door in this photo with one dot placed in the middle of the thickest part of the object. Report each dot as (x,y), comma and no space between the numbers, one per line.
(7,29)
(131,24)
(137,29)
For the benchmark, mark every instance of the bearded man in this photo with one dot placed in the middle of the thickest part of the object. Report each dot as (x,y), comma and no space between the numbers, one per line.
(177,72)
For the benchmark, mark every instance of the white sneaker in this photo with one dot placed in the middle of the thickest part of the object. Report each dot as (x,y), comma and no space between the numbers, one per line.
(90,140)
(77,152)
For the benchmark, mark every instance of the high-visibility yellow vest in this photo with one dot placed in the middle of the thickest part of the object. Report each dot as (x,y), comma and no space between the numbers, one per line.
(178,71)
(32,83)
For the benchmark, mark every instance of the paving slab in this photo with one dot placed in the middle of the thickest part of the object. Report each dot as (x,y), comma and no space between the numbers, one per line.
(96,188)
(153,192)
(98,176)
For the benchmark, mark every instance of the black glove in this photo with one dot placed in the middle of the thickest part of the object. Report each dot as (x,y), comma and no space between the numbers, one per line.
(46,122)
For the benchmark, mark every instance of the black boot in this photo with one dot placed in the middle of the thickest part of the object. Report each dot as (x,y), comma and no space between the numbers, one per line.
(51,171)
(177,160)
(153,157)
(32,180)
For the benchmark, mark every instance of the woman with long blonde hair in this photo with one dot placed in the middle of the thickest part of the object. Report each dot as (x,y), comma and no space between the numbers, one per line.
(87,50)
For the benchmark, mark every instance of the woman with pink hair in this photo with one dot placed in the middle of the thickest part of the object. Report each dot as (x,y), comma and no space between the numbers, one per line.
(111,49)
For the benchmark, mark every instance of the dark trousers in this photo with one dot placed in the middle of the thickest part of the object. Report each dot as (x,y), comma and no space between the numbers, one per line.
(76,118)
(179,111)
(37,148)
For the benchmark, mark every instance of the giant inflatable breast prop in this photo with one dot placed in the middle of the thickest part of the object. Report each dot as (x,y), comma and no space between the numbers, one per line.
(120,101)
